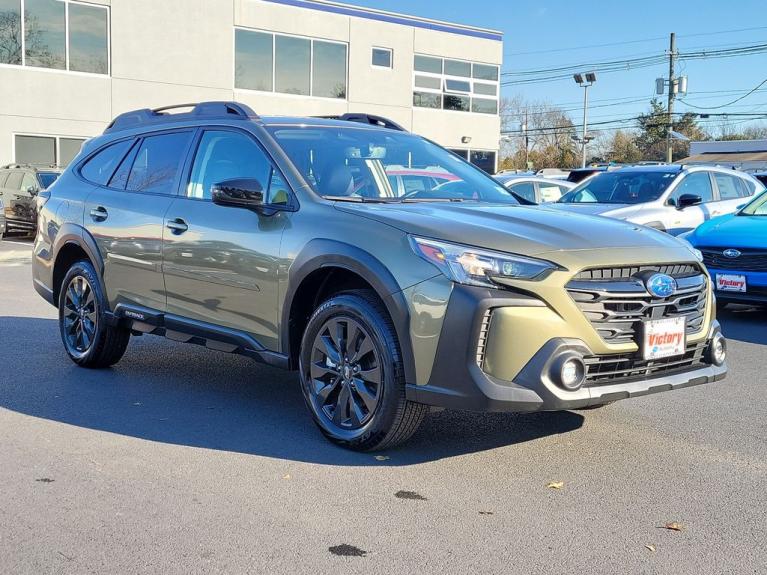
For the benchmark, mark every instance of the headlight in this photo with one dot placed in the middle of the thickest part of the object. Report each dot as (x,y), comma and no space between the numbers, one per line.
(478,267)
(696,252)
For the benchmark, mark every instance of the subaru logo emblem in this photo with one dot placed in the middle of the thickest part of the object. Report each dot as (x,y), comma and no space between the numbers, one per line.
(731,253)
(661,285)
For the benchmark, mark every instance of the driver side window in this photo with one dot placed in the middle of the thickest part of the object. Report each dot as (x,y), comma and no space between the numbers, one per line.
(226,155)
(696,184)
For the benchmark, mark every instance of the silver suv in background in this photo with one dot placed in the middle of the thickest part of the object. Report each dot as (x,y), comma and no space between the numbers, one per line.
(19,186)
(535,189)
(671,198)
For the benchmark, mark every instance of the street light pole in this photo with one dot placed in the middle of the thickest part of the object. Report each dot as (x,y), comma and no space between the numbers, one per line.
(585,81)
(585,122)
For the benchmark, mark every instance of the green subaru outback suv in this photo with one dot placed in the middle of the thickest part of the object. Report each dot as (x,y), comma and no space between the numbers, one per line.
(392,274)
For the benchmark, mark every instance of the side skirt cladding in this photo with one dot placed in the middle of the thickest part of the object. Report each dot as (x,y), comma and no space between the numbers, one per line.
(146,321)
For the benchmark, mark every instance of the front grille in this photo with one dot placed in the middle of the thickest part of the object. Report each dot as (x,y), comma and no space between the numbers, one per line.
(610,369)
(749,260)
(617,307)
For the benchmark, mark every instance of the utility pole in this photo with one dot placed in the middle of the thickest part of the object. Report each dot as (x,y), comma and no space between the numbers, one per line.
(585,123)
(527,142)
(671,95)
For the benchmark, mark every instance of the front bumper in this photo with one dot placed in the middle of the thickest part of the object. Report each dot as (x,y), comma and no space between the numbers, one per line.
(756,287)
(469,368)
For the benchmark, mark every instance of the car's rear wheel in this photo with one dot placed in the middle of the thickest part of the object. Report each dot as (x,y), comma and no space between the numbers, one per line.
(88,339)
(352,374)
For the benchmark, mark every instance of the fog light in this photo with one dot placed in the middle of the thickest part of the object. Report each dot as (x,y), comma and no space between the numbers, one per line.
(571,373)
(718,349)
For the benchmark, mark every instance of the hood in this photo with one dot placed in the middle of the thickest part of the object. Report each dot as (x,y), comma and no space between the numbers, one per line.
(731,231)
(619,211)
(510,228)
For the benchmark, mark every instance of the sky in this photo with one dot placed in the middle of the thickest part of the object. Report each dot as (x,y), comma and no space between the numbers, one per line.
(545,34)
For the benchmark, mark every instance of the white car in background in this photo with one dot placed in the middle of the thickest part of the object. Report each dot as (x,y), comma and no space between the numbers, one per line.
(535,189)
(671,198)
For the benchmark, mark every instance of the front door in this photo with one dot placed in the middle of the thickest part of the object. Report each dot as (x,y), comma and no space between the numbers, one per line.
(126,218)
(221,263)
(689,218)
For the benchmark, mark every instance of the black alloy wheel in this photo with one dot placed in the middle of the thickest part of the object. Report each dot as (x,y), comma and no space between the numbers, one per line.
(80,316)
(346,373)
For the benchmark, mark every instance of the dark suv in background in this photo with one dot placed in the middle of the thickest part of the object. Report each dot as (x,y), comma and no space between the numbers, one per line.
(392,274)
(19,186)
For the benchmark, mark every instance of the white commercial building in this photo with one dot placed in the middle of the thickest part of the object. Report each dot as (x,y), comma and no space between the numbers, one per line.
(68,67)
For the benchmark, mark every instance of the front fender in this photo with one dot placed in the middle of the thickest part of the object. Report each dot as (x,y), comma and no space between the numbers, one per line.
(324,253)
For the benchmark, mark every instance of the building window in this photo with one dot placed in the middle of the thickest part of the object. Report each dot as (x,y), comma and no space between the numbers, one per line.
(455,85)
(382,58)
(480,158)
(46,150)
(290,64)
(55,34)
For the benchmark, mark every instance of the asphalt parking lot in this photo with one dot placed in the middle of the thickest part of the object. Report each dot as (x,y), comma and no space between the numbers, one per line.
(182,460)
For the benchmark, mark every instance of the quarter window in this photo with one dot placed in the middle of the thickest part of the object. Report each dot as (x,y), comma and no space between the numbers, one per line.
(290,65)
(157,163)
(444,79)
(100,167)
(225,155)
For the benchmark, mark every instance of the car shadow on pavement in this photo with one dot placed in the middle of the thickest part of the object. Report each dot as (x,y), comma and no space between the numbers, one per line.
(744,323)
(187,395)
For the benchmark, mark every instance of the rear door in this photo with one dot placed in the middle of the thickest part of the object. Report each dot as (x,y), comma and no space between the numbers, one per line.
(125,215)
(221,263)
(696,184)
(12,194)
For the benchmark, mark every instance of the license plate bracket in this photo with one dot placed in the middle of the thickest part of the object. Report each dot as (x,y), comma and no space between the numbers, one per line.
(731,283)
(663,338)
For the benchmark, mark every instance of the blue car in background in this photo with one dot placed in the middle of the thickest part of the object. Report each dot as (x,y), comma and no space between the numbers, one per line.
(734,249)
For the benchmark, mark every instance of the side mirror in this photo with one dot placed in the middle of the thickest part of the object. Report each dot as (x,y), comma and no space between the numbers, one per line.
(239,193)
(687,200)
(32,190)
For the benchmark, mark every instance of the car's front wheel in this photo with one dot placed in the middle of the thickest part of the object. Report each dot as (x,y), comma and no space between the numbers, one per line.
(352,374)
(88,339)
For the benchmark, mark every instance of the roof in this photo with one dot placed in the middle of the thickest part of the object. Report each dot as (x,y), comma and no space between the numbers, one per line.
(725,158)
(393,18)
(662,168)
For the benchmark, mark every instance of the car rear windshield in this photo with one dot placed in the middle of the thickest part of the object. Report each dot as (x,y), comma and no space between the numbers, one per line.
(363,164)
(620,188)
(47,178)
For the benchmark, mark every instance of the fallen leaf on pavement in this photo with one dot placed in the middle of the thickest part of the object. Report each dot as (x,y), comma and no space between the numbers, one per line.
(650,548)
(485,512)
(674,526)
(286,476)
(555,484)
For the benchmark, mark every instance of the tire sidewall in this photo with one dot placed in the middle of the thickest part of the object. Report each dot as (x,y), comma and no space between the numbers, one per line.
(357,308)
(86,270)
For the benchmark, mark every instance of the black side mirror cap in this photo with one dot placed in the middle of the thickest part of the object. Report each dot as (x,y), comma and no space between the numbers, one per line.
(687,200)
(239,193)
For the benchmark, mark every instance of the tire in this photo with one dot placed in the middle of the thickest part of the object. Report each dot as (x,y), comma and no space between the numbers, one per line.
(352,374)
(96,344)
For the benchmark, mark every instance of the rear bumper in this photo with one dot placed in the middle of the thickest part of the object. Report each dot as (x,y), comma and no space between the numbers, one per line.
(458,380)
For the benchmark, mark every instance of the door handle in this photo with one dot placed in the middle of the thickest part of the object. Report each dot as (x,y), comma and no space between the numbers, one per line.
(99,214)
(177,226)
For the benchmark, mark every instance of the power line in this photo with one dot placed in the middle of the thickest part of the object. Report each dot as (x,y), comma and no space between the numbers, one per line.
(762,83)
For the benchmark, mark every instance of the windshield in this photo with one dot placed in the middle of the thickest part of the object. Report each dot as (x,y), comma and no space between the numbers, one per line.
(620,188)
(360,164)
(47,178)
(757,207)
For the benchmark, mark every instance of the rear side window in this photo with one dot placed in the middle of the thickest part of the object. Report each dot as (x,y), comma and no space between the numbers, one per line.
(100,167)
(3,178)
(729,186)
(158,162)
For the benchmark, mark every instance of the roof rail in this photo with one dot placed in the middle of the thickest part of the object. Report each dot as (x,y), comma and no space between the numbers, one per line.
(217,110)
(17,165)
(371,119)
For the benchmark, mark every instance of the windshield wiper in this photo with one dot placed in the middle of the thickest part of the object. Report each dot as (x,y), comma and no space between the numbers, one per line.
(418,200)
(361,199)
